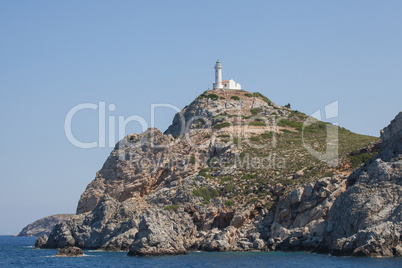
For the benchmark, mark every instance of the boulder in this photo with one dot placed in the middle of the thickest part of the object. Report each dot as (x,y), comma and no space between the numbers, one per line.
(70,252)
(42,240)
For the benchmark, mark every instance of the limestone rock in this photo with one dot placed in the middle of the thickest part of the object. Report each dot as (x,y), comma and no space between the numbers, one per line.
(299,221)
(111,225)
(366,219)
(162,233)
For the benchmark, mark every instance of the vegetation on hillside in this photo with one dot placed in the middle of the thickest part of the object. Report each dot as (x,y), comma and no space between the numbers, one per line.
(271,163)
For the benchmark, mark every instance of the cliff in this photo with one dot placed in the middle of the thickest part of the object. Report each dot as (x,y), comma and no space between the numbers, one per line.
(232,172)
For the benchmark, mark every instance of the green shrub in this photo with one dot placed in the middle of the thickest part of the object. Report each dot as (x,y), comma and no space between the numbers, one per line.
(248,95)
(212,96)
(267,135)
(208,96)
(255,111)
(236,140)
(227,189)
(259,95)
(316,127)
(235,98)
(192,159)
(224,136)
(360,159)
(222,115)
(207,136)
(255,139)
(227,178)
(202,95)
(206,193)
(252,200)
(204,172)
(172,208)
(257,123)
(269,205)
(229,203)
(222,125)
(249,176)
(293,124)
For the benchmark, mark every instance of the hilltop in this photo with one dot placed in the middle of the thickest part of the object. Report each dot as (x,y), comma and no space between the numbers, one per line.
(234,171)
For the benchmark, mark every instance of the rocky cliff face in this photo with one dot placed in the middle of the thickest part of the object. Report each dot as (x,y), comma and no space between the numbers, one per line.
(44,225)
(366,220)
(231,173)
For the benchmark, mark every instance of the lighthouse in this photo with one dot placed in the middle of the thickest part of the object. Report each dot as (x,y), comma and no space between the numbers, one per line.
(218,75)
(227,84)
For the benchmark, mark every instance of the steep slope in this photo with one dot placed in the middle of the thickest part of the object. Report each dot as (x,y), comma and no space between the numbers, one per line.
(226,175)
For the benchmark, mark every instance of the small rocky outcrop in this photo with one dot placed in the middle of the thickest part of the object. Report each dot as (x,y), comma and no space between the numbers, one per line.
(44,225)
(112,225)
(41,241)
(70,252)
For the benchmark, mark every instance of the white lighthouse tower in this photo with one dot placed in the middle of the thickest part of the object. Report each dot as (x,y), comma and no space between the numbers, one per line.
(218,75)
(227,84)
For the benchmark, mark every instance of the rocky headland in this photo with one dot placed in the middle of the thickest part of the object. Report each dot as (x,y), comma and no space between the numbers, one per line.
(43,226)
(233,173)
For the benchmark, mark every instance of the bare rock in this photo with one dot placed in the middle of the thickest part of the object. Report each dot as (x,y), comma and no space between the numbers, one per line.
(44,225)
(162,233)
(366,219)
(301,214)
(40,241)
(221,240)
(70,252)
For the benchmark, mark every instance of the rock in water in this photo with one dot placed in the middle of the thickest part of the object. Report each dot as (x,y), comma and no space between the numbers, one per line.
(70,252)
(44,225)
(41,241)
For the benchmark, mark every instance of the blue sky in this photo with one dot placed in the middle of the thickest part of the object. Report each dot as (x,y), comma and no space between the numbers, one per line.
(57,54)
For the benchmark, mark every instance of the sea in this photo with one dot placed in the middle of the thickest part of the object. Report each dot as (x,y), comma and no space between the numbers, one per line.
(19,252)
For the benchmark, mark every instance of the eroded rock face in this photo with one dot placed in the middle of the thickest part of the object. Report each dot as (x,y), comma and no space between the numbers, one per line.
(300,218)
(366,220)
(163,233)
(112,225)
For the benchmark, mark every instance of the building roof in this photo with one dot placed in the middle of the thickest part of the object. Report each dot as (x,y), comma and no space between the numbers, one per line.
(226,81)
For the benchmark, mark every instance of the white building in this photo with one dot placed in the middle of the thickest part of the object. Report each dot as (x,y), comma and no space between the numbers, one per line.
(230,84)
(219,84)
